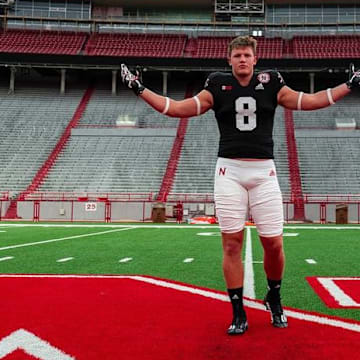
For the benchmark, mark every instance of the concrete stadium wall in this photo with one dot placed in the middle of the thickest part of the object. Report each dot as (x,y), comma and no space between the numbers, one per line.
(79,211)
(140,211)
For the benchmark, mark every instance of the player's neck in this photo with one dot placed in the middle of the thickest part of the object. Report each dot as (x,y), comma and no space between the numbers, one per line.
(244,80)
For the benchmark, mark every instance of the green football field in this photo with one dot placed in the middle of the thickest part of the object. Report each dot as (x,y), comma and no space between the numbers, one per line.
(189,254)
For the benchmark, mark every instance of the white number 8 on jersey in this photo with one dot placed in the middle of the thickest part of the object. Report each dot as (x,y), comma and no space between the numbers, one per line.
(245,113)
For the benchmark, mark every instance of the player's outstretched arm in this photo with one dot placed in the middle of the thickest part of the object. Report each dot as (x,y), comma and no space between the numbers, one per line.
(296,100)
(194,106)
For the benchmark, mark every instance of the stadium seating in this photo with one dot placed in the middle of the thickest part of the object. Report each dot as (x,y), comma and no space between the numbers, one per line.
(346,108)
(110,164)
(32,122)
(329,161)
(216,47)
(326,46)
(139,45)
(41,42)
(107,110)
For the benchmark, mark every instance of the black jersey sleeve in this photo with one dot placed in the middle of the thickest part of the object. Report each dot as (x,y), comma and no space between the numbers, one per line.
(278,80)
(212,84)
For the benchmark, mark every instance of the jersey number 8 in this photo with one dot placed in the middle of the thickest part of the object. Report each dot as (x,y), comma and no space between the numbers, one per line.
(245,113)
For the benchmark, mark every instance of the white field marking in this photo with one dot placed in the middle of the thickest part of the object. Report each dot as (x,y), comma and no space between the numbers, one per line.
(65,259)
(61,239)
(296,314)
(124,260)
(6,258)
(2,230)
(209,234)
(334,290)
(311,261)
(31,345)
(185,226)
(188,260)
(249,283)
(290,234)
(258,262)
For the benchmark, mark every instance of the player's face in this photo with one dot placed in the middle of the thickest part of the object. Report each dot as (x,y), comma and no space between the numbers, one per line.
(242,61)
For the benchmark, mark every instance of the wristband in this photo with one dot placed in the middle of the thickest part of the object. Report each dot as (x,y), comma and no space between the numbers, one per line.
(329,96)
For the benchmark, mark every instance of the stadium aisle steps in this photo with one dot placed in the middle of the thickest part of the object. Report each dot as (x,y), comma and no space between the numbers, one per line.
(41,174)
(293,161)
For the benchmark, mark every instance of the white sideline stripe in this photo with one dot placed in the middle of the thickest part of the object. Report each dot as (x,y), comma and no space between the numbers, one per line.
(124,260)
(318,319)
(290,234)
(340,297)
(310,261)
(249,283)
(6,258)
(65,259)
(185,226)
(188,260)
(61,239)
(2,231)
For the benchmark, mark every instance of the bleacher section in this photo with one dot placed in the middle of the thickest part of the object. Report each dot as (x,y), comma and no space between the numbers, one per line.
(325,47)
(42,42)
(346,108)
(112,163)
(107,110)
(195,172)
(32,122)
(172,46)
(144,45)
(329,161)
(216,47)
(103,155)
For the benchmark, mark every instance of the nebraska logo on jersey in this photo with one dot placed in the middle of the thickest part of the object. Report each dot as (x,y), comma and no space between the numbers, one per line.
(264,78)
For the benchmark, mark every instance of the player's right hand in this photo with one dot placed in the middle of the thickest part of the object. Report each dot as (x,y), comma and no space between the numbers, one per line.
(354,78)
(131,81)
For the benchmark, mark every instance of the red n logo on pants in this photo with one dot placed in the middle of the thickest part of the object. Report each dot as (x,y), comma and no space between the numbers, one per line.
(222,171)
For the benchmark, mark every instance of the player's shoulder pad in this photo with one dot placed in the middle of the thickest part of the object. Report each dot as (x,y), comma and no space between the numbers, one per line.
(266,76)
(270,76)
(215,78)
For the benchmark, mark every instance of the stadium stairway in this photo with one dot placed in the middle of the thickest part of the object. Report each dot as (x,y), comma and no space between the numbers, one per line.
(173,161)
(40,175)
(294,169)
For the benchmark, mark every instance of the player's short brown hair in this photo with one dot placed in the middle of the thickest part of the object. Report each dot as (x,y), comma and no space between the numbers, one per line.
(242,41)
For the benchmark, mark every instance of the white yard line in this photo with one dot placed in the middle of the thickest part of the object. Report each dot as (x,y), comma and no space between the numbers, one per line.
(65,259)
(188,260)
(249,283)
(62,239)
(6,258)
(125,260)
(311,261)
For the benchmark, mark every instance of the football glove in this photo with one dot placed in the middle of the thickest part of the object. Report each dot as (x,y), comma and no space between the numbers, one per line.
(354,78)
(131,81)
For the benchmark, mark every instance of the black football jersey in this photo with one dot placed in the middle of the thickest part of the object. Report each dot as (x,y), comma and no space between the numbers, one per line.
(245,114)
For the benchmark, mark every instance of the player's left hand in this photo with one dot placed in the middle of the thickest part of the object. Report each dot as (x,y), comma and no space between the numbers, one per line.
(131,81)
(354,78)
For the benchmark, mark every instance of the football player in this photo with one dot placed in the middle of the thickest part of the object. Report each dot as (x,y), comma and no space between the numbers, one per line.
(244,103)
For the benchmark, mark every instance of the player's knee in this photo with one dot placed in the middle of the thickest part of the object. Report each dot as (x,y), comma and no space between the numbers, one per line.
(273,245)
(232,248)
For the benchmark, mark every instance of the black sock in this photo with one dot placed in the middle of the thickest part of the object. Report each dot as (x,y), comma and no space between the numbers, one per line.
(274,287)
(236,298)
